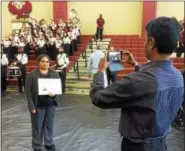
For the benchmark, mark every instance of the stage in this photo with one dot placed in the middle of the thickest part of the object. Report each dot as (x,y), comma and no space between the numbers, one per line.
(79,126)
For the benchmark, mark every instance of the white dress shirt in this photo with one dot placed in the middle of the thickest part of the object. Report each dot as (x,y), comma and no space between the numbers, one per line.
(62,60)
(4,60)
(23,58)
(66,40)
(6,43)
(58,43)
(52,40)
(74,36)
(41,43)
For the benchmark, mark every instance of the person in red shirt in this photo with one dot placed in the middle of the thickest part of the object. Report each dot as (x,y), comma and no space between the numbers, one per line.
(100,24)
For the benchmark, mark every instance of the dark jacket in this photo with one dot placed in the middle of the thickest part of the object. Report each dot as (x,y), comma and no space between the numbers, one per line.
(148,99)
(32,87)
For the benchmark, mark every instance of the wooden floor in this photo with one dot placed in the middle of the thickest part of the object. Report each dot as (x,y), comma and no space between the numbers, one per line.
(79,126)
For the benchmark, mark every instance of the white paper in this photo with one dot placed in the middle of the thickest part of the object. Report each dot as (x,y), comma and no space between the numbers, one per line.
(49,85)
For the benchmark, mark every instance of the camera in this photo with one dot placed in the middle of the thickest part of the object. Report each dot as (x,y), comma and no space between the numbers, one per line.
(115,56)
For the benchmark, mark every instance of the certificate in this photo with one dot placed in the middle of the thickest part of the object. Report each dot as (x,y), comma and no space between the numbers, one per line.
(46,86)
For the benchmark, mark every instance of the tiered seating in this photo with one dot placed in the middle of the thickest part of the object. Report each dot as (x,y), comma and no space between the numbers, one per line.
(32,64)
(135,45)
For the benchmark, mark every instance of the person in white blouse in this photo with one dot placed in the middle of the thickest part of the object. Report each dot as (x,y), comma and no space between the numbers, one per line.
(41,42)
(4,65)
(21,59)
(62,61)
(74,39)
(78,27)
(58,42)
(67,44)
(51,50)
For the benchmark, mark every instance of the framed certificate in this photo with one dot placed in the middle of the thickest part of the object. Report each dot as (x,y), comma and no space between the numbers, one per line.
(49,85)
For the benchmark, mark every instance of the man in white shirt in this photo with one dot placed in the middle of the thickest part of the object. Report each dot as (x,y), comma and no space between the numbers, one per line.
(4,65)
(62,62)
(21,61)
(93,62)
(6,47)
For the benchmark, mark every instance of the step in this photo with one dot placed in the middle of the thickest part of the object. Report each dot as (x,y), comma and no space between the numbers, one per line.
(72,73)
(79,84)
(102,46)
(82,77)
(103,40)
(100,43)
(12,88)
(77,91)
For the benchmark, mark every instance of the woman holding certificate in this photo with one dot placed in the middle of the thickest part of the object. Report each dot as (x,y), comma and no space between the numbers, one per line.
(42,101)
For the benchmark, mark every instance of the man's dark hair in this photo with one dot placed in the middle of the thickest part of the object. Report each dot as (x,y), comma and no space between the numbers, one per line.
(39,58)
(165,32)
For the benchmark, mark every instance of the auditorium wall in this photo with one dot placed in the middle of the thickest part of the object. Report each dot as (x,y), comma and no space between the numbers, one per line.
(120,17)
(39,10)
(171,9)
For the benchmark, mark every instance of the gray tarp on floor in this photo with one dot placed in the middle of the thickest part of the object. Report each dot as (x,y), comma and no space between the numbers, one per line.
(79,126)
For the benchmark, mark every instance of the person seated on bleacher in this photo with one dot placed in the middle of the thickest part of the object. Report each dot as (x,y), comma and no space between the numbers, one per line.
(21,59)
(4,65)
(62,61)
(114,67)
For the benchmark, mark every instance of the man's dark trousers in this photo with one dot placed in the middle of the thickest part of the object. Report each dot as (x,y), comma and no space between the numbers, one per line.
(158,144)
(99,31)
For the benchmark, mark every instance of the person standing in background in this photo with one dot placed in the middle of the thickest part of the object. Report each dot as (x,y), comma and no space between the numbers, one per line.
(67,44)
(21,59)
(100,25)
(62,61)
(92,65)
(4,66)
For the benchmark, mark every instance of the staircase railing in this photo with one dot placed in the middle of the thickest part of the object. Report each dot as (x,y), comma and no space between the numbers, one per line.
(84,56)
(76,68)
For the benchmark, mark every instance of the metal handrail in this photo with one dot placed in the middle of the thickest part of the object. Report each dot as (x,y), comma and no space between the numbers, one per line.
(76,69)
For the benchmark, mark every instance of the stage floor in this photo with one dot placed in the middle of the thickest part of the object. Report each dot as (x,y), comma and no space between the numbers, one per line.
(79,126)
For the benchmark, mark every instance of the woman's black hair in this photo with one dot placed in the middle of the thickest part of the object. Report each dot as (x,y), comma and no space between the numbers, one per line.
(39,58)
